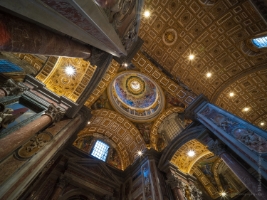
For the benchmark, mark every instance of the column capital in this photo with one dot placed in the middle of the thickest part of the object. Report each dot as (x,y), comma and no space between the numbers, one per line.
(175,182)
(55,113)
(217,148)
(12,88)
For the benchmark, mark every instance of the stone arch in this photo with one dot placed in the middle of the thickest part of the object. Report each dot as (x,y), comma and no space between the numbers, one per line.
(178,142)
(106,136)
(158,121)
(119,130)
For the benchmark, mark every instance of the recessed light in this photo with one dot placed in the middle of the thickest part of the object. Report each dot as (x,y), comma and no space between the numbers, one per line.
(146,13)
(208,74)
(246,109)
(191,57)
(89,122)
(191,153)
(125,64)
(223,194)
(231,94)
(139,153)
(70,70)
(262,123)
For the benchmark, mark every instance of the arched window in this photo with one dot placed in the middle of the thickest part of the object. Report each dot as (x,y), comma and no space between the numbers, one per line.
(100,150)
(260,42)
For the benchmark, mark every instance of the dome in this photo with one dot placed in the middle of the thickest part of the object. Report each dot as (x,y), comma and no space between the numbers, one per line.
(136,96)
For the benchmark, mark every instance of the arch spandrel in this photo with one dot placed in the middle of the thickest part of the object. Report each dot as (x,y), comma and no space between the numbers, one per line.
(158,121)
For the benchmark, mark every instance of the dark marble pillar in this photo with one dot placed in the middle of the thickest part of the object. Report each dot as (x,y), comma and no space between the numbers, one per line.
(176,186)
(12,141)
(59,188)
(17,35)
(251,183)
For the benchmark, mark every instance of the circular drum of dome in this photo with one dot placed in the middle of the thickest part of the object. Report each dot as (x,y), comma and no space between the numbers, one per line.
(136,96)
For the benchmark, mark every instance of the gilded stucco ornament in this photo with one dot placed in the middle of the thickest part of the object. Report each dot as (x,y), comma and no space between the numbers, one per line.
(12,88)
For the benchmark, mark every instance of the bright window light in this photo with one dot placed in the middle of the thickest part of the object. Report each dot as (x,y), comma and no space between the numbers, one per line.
(100,150)
(191,153)
(260,42)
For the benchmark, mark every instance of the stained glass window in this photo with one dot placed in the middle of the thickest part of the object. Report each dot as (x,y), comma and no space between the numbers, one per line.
(100,150)
(260,42)
(6,66)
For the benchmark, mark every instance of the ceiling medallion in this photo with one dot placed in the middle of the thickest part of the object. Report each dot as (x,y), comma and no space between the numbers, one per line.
(135,85)
(169,37)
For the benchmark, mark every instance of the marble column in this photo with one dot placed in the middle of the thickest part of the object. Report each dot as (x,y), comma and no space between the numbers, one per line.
(59,188)
(251,183)
(17,35)
(14,140)
(176,186)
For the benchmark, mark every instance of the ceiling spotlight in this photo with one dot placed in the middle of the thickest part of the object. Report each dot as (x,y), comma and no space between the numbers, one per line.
(246,109)
(262,123)
(146,13)
(208,74)
(191,57)
(139,153)
(125,64)
(70,70)
(231,94)
(191,153)
(89,122)
(223,194)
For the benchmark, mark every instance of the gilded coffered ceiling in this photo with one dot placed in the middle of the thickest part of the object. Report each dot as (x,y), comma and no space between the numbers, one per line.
(218,33)
(54,76)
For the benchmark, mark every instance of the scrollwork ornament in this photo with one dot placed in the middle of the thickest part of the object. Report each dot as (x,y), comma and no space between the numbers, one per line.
(55,113)
(12,88)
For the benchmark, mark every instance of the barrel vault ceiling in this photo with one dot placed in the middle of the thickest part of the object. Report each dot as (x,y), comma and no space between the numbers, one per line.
(217,33)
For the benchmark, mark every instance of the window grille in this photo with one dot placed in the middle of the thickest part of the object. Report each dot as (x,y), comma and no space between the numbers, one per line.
(100,150)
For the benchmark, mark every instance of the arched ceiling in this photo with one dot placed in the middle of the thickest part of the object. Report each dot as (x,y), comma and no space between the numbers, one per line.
(250,91)
(54,77)
(119,130)
(215,32)
(185,163)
